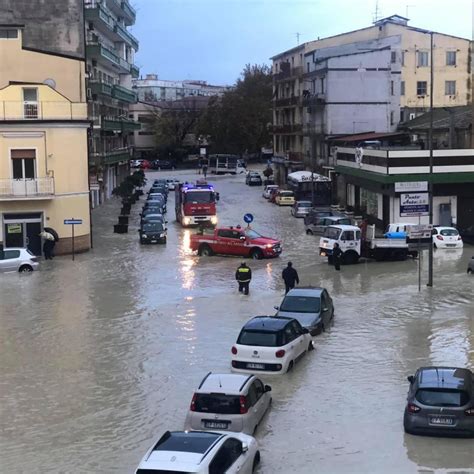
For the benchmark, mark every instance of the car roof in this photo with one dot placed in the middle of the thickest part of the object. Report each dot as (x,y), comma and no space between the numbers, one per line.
(336,218)
(345,227)
(299,202)
(15,248)
(224,383)
(306,291)
(444,377)
(267,323)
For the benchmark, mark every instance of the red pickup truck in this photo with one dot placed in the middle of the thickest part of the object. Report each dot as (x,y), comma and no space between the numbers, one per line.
(235,241)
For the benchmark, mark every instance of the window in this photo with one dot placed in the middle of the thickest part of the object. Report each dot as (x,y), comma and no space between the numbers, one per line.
(256,338)
(323,85)
(297,328)
(300,304)
(259,388)
(421,88)
(450,58)
(392,117)
(449,87)
(226,456)
(289,334)
(217,403)
(10,254)
(30,99)
(403,58)
(442,397)
(307,67)
(8,34)
(252,396)
(422,58)
(402,88)
(393,57)
(23,164)
(392,88)
(347,235)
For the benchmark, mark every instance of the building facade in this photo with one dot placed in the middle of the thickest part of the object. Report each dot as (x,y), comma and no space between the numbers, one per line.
(110,50)
(452,83)
(43,143)
(144,141)
(152,89)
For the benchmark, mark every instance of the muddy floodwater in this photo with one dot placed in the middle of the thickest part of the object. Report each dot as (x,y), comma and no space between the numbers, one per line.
(100,356)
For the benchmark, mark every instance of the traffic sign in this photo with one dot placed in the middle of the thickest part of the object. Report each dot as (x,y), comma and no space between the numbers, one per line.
(411,186)
(423,231)
(414,204)
(248,218)
(72,221)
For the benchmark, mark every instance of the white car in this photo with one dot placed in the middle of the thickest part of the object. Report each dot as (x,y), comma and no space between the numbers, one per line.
(266,191)
(206,452)
(231,402)
(446,238)
(18,259)
(270,345)
(172,183)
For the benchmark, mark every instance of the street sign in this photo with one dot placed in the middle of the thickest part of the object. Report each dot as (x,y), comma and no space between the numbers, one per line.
(72,221)
(423,231)
(413,186)
(414,204)
(248,218)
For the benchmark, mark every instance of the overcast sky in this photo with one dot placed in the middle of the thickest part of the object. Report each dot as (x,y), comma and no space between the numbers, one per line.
(212,40)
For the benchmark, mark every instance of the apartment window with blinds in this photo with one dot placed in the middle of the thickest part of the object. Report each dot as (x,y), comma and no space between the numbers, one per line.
(393,57)
(450,58)
(449,87)
(422,58)
(392,88)
(421,88)
(402,88)
(403,58)
(23,164)
(8,34)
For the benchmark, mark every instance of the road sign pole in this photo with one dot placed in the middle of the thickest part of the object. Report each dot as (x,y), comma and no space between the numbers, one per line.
(419,257)
(73,242)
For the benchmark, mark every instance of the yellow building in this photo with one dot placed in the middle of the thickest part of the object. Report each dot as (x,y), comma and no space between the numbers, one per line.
(43,146)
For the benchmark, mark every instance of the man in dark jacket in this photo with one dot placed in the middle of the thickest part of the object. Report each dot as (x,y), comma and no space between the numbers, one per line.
(290,277)
(337,256)
(243,275)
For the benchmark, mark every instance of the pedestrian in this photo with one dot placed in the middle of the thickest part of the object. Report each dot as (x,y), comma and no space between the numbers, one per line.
(336,256)
(204,170)
(48,245)
(243,275)
(290,277)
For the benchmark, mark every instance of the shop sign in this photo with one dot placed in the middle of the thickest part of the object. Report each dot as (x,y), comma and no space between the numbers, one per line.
(414,204)
(14,228)
(413,186)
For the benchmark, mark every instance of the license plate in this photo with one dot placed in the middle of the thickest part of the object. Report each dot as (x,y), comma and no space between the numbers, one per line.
(216,425)
(153,241)
(255,366)
(450,245)
(441,420)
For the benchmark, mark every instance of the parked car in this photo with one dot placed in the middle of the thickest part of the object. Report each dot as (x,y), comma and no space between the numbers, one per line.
(231,402)
(153,216)
(266,192)
(135,163)
(18,259)
(172,183)
(285,198)
(241,166)
(301,208)
(156,201)
(273,194)
(253,179)
(440,401)
(163,165)
(270,344)
(319,224)
(321,212)
(312,307)
(446,238)
(470,266)
(152,232)
(203,452)
(145,165)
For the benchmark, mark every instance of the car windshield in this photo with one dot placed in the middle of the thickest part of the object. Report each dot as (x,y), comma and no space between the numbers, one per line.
(442,397)
(199,196)
(217,403)
(344,221)
(258,338)
(153,227)
(304,204)
(331,233)
(449,232)
(251,234)
(153,218)
(301,304)
(192,442)
(286,193)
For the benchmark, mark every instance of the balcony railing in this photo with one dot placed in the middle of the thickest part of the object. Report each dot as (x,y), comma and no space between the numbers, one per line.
(100,88)
(54,110)
(289,73)
(318,99)
(286,128)
(116,124)
(287,101)
(129,10)
(135,71)
(126,35)
(124,94)
(11,189)
(110,157)
(124,9)
(99,51)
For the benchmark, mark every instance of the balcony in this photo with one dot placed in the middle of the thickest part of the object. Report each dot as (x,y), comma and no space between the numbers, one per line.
(289,73)
(135,71)
(126,36)
(54,110)
(100,88)
(124,94)
(117,124)
(110,157)
(287,102)
(100,53)
(312,100)
(20,189)
(123,9)
(287,128)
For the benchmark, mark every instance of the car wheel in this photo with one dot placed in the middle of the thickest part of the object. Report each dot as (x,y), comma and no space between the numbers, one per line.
(469,271)
(310,346)
(25,269)
(323,328)
(434,245)
(256,254)
(256,461)
(290,367)
(309,232)
(205,251)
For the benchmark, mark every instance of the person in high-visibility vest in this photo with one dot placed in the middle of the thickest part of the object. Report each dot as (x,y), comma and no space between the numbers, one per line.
(243,275)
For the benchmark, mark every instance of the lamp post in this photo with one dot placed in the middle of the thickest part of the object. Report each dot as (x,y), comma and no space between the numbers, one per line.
(430,178)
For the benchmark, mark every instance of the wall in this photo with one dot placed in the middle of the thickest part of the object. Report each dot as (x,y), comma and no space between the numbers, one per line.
(55,26)
(437,200)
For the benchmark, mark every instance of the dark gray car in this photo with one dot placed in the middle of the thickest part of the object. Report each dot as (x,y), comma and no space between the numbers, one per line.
(319,224)
(312,307)
(440,402)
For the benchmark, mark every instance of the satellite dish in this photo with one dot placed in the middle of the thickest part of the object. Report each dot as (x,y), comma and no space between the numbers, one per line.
(50,82)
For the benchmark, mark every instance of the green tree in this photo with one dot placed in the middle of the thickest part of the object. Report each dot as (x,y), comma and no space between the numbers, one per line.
(238,121)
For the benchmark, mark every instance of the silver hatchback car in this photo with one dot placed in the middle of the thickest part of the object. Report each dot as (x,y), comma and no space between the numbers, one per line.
(440,402)
(17,259)
(301,208)
(232,402)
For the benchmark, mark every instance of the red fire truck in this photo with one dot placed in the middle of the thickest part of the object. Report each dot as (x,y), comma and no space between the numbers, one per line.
(195,204)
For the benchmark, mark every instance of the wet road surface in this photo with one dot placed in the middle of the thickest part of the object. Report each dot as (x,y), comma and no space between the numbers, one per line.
(100,356)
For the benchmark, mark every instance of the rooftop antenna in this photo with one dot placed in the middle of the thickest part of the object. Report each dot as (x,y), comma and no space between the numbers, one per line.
(298,38)
(377,13)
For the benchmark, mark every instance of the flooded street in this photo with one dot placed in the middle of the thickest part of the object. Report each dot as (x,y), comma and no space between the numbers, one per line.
(101,355)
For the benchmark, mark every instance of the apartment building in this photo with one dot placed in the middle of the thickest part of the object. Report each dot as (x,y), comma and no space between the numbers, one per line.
(43,130)
(152,89)
(451,81)
(110,50)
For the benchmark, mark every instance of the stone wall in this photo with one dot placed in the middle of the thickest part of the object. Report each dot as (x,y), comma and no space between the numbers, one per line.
(82,243)
(54,26)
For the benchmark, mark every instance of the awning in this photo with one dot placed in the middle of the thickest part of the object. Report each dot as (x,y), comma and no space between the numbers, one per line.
(305,176)
(365,136)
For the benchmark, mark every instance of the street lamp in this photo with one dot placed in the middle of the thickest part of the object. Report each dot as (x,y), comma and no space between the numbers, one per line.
(430,177)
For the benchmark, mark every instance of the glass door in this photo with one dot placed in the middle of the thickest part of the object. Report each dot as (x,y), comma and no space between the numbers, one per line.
(14,234)
(24,172)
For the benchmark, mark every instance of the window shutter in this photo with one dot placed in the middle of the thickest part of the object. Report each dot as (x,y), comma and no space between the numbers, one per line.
(22,154)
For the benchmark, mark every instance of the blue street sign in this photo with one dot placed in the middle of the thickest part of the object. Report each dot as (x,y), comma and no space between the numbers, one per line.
(248,218)
(72,221)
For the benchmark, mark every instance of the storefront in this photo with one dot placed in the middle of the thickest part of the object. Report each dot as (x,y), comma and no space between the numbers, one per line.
(22,230)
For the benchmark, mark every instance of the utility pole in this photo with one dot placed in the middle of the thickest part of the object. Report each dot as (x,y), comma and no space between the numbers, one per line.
(298,38)
(430,180)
